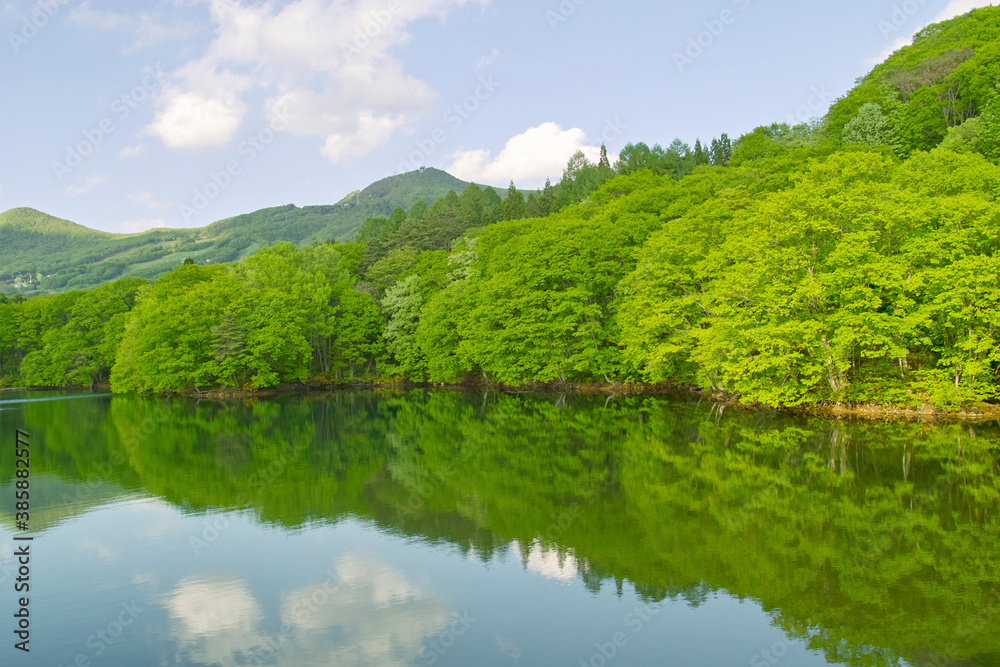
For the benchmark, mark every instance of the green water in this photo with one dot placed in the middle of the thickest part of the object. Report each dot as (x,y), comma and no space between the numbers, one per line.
(450,528)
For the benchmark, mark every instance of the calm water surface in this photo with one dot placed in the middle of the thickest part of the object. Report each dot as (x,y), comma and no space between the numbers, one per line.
(450,528)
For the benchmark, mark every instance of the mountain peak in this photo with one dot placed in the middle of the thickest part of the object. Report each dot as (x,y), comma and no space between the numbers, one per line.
(64,255)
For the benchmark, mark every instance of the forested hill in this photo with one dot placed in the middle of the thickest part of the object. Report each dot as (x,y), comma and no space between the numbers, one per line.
(41,253)
(934,91)
(851,260)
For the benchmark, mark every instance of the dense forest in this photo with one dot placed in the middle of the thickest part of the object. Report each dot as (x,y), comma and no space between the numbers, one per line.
(853,259)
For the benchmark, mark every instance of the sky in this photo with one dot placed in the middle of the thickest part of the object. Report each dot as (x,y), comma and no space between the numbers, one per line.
(124,116)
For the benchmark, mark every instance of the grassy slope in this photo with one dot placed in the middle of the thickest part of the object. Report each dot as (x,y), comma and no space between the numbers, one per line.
(57,254)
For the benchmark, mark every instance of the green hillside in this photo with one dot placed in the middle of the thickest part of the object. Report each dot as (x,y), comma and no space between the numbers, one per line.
(40,253)
(940,89)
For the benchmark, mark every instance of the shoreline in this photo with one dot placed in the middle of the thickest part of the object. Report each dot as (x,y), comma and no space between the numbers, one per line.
(866,411)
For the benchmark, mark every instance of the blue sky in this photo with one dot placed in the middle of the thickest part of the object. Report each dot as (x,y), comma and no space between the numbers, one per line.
(124,116)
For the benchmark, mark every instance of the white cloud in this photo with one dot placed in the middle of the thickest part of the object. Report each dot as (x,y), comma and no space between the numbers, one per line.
(327,64)
(132,151)
(195,121)
(527,159)
(145,27)
(145,224)
(145,198)
(88,185)
(953,9)
(486,61)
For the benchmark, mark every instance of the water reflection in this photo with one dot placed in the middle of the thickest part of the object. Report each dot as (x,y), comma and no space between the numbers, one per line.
(550,562)
(216,620)
(382,617)
(868,543)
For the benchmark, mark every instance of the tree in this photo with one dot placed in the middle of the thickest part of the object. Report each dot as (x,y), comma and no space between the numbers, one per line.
(513,205)
(604,162)
(402,303)
(700,155)
(168,343)
(418,209)
(357,332)
(721,151)
(870,126)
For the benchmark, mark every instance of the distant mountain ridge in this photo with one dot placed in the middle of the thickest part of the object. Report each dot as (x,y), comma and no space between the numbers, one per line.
(39,252)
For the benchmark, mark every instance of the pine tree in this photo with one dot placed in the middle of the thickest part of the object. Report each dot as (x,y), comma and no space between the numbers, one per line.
(548,198)
(700,155)
(514,205)
(721,151)
(604,162)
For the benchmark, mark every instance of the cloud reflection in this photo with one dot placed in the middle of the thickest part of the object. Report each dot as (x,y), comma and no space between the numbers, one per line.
(383,618)
(217,620)
(548,562)
(364,613)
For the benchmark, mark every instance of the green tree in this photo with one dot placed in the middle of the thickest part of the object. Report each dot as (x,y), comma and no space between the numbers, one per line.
(701,156)
(870,126)
(402,304)
(513,205)
(721,151)
(604,161)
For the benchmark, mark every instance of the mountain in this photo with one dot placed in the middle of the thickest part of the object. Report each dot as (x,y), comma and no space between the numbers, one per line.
(39,252)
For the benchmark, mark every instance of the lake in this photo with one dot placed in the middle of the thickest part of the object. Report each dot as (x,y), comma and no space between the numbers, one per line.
(482,528)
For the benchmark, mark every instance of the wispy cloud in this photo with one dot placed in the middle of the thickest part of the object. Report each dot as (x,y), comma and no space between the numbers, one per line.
(132,151)
(146,199)
(88,185)
(145,28)
(488,60)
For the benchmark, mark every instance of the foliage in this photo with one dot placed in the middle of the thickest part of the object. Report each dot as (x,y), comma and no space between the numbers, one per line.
(42,253)
(945,78)
(832,261)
